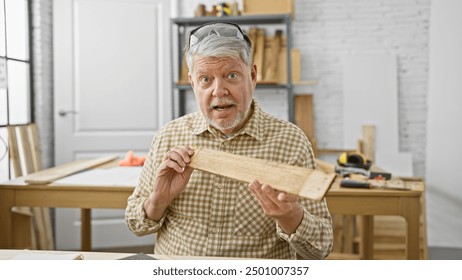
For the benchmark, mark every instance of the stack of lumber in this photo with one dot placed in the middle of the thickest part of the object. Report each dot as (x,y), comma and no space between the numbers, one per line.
(269,54)
(24,156)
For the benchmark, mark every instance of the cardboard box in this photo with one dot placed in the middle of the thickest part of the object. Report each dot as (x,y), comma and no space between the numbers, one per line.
(258,7)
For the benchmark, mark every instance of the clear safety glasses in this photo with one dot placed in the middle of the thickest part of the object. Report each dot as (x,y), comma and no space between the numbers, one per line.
(221,29)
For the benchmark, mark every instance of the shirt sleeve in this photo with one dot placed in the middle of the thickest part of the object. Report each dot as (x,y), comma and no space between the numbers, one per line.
(314,237)
(135,215)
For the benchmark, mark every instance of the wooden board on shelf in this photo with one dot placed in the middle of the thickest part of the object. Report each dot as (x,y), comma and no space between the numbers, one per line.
(296,69)
(184,72)
(253,34)
(259,7)
(272,58)
(260,53)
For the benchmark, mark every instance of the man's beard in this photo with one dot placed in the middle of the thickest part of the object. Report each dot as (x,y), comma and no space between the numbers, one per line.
(227,125)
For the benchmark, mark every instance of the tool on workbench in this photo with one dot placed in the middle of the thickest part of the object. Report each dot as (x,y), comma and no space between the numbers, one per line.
(347,171)
(354,159)
(374,184)
(223,9)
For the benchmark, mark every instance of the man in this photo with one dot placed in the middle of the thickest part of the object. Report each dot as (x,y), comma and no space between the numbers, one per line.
(198,213)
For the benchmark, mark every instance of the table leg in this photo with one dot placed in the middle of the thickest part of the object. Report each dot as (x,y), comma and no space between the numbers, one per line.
(367,238)
(411,212)
(85,229)
(6,219)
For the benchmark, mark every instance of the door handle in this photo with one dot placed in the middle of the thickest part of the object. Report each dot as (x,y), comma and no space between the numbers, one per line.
(63,113)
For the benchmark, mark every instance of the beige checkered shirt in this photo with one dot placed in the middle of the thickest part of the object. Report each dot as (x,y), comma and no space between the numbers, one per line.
(217,216)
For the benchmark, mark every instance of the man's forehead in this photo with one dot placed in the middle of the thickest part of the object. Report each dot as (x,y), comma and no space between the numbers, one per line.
(224,63)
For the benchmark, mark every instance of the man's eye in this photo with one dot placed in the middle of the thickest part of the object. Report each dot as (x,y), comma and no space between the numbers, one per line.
(232,75)
(205,79)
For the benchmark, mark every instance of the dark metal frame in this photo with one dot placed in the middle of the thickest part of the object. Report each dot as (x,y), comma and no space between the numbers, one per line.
(29,61)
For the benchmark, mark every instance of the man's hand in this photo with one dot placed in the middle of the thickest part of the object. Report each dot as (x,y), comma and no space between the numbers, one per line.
(281,206)
(171,179)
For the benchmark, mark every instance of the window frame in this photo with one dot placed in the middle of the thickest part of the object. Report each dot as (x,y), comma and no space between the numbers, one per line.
(29,63)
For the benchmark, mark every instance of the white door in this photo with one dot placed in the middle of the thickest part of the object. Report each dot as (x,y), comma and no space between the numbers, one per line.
(112,93)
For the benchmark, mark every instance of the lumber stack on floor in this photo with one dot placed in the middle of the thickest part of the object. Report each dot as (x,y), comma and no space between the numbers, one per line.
(24,156)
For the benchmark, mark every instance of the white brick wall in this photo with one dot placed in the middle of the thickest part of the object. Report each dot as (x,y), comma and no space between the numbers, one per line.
(324,30)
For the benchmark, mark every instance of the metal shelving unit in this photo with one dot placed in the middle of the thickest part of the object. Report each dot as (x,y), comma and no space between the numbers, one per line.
(180,27)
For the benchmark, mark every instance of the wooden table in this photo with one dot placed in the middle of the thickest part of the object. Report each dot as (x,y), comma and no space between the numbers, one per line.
(8,254)
(363,202)
(370,202)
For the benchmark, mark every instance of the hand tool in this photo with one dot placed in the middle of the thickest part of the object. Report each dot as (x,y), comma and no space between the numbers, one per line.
(354,159)
(374,184)
(346,171)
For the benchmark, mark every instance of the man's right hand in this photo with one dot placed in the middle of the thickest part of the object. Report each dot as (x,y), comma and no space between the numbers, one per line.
(171,179)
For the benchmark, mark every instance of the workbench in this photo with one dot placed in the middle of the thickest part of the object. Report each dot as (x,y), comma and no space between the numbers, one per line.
(364,202)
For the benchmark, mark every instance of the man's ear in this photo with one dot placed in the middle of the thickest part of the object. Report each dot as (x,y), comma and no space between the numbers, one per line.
(253,75)
(190,80)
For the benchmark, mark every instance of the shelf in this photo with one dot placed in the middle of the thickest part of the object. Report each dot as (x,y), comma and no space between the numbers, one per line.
(260,85)
(186,86)
(254,19)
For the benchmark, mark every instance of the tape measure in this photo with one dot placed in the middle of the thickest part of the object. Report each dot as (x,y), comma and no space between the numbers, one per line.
(223,9)
(355,159)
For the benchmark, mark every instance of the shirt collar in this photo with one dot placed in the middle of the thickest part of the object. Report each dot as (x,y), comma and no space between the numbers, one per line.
(252,127)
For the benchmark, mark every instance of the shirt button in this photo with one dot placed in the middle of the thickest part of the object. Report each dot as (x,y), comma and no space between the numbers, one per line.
(214,230)
(219,186)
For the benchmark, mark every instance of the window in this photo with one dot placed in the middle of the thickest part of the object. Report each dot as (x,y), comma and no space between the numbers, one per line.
(15,73)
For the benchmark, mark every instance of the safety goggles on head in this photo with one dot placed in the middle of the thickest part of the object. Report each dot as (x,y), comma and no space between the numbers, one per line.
(220,29)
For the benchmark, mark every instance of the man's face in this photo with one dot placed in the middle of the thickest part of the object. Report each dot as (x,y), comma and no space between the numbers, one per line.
(223,87)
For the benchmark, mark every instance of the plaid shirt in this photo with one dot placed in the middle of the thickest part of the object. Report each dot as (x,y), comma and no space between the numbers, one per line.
(217,216)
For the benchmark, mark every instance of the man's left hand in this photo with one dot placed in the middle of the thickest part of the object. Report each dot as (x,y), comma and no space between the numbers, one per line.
(279,205)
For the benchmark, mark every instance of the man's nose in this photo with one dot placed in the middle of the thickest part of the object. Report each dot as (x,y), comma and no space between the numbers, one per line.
(219,88)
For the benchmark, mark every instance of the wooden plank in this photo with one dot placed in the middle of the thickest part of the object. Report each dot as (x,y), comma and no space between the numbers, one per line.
(39,227)
(13,151)
(260,53)
(336,151)
(184,79)
(49,240)
(35,146)
(296,66)
(273,59)
(24,215)
(253,33)
(42,220)
(368,138)
(304,117)
(296,58)
(54,173)
(26,149)
(259,7)
(29,140)
(309,183)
